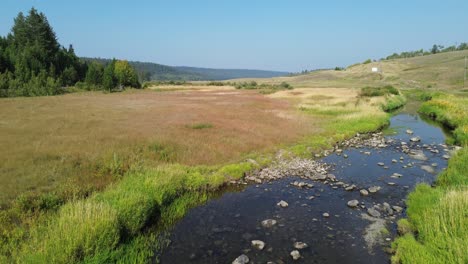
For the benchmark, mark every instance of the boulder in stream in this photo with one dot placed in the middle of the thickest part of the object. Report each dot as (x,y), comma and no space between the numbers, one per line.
(268,223)
(300,245)
(258,244)
(374,189)
(242,259)
(282,204)
(295,254)
(353,203)
(364,192)
(373,212)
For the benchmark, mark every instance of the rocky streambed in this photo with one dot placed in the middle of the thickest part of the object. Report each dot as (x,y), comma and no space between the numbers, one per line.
(340,207)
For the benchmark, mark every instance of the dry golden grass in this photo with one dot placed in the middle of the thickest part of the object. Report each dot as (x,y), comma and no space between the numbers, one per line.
(49,140)
(332,101)
(439,71)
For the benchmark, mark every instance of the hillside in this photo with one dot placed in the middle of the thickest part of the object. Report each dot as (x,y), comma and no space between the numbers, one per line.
(438,71)
(153,71)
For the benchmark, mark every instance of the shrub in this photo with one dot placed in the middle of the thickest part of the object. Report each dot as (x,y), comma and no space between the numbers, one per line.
(378,91)
(265,88)
(213,83)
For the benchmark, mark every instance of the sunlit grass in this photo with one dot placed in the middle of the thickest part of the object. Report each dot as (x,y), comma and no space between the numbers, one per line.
(439,215)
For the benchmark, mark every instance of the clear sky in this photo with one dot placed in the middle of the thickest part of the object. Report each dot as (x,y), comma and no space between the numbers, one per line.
(254,34)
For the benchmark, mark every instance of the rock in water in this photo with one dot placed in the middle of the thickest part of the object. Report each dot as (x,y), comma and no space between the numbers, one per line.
(398,209)
(282,204)
(300,245)
(417,154)
(381,164)
(415,139)
(268,223)
(388,209)
(326,215)
(353,203)
(258,244)
(409,131)
(372,212)
(364,192)
(374,189)
(428,168)
(242,259)
(295,254)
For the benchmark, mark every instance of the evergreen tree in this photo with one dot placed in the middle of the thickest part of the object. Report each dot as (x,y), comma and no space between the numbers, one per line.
(108,79)
(94,74)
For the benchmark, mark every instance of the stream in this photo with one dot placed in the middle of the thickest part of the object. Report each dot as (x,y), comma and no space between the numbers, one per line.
(223,229)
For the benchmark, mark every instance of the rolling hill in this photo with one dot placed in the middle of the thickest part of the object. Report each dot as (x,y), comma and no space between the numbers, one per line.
(437,71)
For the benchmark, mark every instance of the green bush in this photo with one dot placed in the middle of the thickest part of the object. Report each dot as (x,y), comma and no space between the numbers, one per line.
(378,91)
(255,86)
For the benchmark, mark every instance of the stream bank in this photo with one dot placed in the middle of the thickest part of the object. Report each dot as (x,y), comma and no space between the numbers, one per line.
(344,206)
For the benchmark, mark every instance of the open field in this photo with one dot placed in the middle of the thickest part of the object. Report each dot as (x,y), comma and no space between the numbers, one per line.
(47,140)
(153,147)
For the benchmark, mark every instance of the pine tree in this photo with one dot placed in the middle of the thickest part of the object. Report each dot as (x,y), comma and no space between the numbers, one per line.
(108,79)
(94,74)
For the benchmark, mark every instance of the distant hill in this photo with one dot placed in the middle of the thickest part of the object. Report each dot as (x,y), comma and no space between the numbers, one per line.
(226,74)
(149,71)
(443,70)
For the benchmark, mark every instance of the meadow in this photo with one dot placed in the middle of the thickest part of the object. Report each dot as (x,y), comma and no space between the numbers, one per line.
(134,161)
(92,177)
(90,139)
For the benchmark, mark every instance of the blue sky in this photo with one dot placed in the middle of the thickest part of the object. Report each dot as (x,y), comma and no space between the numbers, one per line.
(270,34)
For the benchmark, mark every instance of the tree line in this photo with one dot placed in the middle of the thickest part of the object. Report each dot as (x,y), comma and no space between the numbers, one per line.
(33,63)
(433,50)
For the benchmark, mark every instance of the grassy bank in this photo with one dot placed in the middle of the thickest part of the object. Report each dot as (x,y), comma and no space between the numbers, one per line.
(123,223)
(436,229)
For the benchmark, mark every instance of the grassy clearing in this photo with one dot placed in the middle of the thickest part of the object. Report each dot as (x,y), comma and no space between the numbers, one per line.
(79,143)
(437,216)
(342,112)
(155,196)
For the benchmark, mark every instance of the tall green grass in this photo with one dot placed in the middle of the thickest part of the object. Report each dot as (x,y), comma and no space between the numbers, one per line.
(439,215)
(393,102)
(378,91)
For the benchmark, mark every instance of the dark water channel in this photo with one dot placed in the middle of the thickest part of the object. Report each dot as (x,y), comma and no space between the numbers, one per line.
(223,228)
